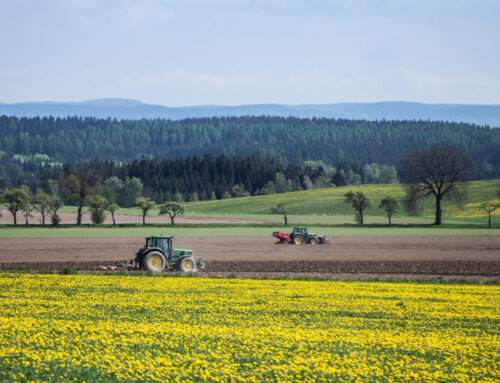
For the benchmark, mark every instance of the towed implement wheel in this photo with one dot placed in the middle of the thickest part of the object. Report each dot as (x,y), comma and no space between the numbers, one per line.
(298,240)
(154,261)
(187,265)
(313,241)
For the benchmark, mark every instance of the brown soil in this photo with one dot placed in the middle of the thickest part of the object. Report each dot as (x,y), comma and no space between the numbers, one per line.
(346,255)
(68,218)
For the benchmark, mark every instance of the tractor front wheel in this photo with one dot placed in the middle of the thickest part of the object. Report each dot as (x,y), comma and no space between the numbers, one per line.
(187,265)
(313,241)
(298,240)
(154,261)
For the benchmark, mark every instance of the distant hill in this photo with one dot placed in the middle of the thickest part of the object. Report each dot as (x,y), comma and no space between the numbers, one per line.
(133,109)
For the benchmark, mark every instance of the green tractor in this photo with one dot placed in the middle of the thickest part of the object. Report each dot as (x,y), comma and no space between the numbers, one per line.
(158,255)
(299,236)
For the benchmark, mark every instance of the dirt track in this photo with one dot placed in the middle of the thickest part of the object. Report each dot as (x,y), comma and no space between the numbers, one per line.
(397,255)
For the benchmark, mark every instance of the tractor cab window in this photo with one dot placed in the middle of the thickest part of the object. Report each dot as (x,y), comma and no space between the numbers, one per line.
(152,242)
(163,243)
(300,230)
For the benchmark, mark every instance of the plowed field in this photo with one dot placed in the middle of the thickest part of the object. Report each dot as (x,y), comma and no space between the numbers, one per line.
(397,255)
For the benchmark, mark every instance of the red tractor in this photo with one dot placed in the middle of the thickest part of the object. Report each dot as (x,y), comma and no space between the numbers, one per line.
(299,236)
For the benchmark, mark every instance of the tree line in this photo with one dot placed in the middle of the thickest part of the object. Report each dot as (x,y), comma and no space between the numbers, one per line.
(28,143)
(440,171)
(105,186)
(20,200)
(201,178)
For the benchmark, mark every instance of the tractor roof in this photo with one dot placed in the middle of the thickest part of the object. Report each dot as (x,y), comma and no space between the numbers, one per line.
(160,236)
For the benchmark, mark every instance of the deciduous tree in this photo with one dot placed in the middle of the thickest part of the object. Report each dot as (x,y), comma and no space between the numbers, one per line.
(132,188)
(55,204)
(145,204)
(112,208)
(41,203)
(280,209)
(80,186)
(97,206)
(26,209)
(359,202)
(173,209)
(441,171)
(14,200)
(390,205)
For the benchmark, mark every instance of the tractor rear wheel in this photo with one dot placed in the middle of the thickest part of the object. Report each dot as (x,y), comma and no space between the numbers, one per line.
(187,265)
(313,241)
(154,261)
(298,240)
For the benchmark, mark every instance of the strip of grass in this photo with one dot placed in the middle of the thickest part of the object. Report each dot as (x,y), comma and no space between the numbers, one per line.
(242,225)
(144,231)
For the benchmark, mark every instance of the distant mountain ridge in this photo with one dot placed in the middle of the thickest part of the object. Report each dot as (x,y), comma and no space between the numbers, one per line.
(133,109)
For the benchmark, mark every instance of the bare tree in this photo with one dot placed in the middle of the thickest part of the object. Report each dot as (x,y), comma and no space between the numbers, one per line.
(489,207)
(441,171)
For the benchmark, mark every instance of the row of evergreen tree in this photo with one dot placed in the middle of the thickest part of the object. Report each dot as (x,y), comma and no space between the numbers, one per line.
(27,143)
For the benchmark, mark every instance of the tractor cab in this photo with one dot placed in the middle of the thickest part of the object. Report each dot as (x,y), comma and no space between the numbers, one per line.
(161,242)
(300,230)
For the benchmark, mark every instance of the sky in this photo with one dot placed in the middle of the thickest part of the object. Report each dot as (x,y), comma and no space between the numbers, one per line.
(198,52)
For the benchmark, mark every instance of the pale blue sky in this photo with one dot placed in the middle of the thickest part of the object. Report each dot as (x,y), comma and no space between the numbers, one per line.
(245,52)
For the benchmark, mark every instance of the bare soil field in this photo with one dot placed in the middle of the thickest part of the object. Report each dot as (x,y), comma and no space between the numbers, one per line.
(345,255)
(68,218)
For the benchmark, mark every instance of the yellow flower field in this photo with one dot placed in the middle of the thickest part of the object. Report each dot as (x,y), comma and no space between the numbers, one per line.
(138,328)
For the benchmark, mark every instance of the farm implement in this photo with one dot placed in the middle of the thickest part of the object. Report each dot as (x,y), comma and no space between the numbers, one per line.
(158,255)
(299,236)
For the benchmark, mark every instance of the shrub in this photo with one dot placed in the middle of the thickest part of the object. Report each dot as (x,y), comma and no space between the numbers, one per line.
(55,219)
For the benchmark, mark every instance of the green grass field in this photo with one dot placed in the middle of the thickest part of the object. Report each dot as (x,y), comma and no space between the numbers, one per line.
(314,208)
(330,202)
(48,232)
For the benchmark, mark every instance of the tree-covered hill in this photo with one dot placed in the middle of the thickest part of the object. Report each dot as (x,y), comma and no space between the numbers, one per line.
(136,110)
(383,142)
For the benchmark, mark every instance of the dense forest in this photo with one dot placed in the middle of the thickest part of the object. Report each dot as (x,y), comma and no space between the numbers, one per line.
(205,178)
(26,144)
